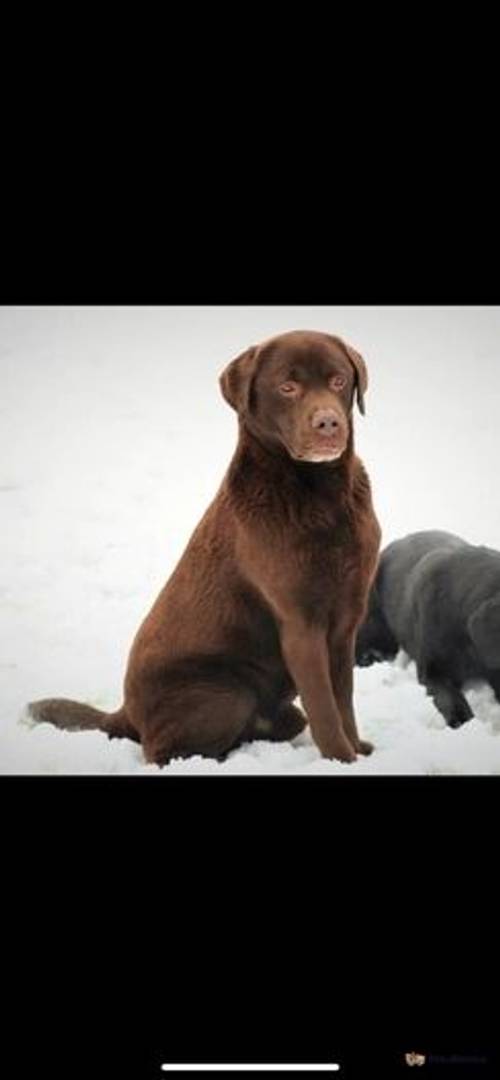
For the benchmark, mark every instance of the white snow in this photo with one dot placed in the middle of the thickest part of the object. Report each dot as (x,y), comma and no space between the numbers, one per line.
(114,439)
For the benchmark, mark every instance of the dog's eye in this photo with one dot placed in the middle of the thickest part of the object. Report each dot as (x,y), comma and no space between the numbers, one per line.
(289,389)
(337,382)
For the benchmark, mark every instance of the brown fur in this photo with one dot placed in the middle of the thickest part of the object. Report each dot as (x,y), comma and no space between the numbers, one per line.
(265,602)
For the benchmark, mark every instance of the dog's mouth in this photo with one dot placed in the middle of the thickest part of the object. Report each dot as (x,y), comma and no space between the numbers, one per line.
(320,455)
(326,450)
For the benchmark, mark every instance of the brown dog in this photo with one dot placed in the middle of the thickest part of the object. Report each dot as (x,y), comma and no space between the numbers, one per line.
(265,602)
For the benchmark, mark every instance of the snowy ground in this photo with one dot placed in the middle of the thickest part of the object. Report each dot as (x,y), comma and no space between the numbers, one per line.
(394,712)
(115,440)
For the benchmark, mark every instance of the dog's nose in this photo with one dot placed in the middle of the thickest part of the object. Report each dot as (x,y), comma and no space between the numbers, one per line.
(325,421)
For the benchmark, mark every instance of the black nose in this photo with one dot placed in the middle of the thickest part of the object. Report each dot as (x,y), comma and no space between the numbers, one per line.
(325,421)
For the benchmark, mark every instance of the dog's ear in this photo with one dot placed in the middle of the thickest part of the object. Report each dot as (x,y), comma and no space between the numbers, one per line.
(361,372)
(484,628)
(361,376)
(236,379)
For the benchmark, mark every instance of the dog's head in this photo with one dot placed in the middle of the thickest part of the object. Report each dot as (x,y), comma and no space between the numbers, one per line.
(297,390)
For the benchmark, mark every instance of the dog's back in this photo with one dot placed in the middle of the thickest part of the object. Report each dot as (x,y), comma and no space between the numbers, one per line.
(407,567)
(389,622)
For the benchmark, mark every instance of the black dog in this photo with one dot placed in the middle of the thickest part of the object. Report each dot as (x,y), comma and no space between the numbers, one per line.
(438,598)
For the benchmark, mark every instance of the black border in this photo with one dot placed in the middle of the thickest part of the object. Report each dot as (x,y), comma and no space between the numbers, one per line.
(249,919)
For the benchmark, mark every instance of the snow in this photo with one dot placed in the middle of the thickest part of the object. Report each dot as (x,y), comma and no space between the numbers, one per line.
(114,439)
(393,711)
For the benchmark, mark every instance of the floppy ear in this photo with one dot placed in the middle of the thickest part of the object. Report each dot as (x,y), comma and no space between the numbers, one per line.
(484,628)
(361,373)
(361,376)
(236,379)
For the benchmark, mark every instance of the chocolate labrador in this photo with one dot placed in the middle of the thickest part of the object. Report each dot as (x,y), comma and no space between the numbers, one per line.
(265,602)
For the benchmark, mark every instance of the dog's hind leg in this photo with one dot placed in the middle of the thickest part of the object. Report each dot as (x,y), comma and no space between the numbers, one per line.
(208,719)
(284,724)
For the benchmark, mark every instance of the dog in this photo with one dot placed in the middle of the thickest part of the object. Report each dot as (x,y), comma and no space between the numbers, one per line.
(438,598)
(265,602)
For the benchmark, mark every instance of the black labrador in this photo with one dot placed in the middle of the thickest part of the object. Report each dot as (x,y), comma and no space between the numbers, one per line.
(438,598)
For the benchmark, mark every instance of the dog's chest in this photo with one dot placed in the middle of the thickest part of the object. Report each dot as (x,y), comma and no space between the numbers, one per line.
(324,567)
(327,553)
(325,574)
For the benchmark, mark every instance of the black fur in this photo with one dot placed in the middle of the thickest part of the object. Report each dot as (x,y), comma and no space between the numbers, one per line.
(438,598)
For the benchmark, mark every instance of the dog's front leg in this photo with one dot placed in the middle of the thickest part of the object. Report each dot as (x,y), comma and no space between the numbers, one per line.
(341,648)
(305,651)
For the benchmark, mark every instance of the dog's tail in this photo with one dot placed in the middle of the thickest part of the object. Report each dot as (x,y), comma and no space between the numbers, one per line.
(73,716)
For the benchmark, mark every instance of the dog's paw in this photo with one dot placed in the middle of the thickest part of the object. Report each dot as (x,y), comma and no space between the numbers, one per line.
(340,749)
(364,747)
